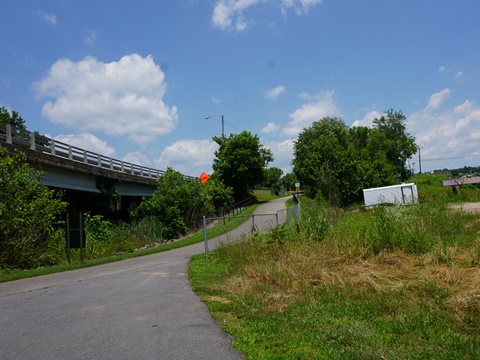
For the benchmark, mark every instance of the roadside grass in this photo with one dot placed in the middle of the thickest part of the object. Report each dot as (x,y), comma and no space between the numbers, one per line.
(431,189)
(389,283)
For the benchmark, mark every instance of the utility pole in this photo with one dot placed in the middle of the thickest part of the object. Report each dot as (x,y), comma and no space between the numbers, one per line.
(419,160)
(223,124)
(223,127)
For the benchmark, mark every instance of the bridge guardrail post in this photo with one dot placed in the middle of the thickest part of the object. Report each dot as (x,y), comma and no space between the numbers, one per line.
(8,130)
(52,147)
(32,141)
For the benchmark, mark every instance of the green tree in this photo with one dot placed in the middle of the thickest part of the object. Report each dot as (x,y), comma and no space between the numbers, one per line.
(240,162)
(288,181)
(19,129)
(337,162)
(179,202)
(320,155)
(399,145)
(271,176)
(29,213)
(219,196)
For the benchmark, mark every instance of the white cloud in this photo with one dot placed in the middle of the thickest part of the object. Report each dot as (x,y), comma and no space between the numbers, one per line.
(271,127)
(448,138)
(282,154)
(457,74)
(300,6)
(190,157)
(137,158)
(87,142)
(367,119)
(46,18)
(230,14)
(437,99)
(117,98)
(319,106)
(274,93)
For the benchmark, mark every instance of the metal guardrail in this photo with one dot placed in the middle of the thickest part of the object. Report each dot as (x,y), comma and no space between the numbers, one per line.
(37,142)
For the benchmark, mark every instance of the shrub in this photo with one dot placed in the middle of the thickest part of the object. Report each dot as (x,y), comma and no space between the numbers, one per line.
(29,215)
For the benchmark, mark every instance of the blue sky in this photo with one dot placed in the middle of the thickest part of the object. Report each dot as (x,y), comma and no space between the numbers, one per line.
(134,79)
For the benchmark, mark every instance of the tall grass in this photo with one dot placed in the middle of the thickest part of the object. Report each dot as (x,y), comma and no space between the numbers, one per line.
(393,282)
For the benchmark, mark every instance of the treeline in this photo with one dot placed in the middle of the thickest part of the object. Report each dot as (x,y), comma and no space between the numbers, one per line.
(335,163)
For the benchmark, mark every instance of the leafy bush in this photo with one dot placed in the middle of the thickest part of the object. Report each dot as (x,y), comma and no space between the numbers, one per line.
(29,215)
(180,202)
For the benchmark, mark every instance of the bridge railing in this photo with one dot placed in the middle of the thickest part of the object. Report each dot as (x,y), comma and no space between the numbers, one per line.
(37,142)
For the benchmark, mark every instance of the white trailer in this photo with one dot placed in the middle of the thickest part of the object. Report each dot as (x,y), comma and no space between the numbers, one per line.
(402,194)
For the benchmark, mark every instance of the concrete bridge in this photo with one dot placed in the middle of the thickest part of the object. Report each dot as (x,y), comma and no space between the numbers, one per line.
(74,170)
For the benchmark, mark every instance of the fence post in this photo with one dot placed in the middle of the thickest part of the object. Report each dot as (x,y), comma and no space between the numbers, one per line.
(52,147)
(70,154)
(205,239)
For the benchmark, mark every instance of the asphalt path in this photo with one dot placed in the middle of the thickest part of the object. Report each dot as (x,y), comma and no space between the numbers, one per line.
(140,308)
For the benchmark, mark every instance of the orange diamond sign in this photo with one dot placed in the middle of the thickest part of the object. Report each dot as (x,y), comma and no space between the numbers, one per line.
(204,177)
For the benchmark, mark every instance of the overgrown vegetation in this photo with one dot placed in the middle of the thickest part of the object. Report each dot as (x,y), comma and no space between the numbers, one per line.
(29,215)
(392,283)
(179,202)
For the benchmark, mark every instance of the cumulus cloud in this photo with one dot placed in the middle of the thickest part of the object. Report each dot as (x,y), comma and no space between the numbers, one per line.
(46,17)
(447,132)
(271,127)
(317,107)
(367,119)
(119,98)
(87,142)
(230,14)
(137,158)
(282,154)
(190,157)
(437,99)
(274,93)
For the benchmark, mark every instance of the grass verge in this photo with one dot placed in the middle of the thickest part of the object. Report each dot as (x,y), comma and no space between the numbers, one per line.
(393,283)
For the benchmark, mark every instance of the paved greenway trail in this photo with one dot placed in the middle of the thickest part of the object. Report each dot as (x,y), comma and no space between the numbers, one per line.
(141,308)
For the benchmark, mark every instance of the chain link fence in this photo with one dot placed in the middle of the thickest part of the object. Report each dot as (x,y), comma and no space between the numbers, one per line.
(255,223)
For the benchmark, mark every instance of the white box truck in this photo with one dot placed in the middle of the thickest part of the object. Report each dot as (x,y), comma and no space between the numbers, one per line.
(402,194)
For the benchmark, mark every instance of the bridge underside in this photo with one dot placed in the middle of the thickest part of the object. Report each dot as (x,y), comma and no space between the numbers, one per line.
(64,179)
